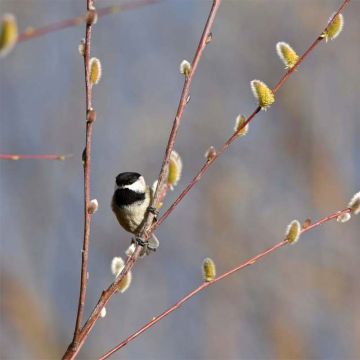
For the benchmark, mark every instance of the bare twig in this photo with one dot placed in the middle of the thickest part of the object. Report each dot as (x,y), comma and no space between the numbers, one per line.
(31,33)
(34,157)
(149,227)
(205,285)
(234,136)
(182,104)
(75,347)
(86,164)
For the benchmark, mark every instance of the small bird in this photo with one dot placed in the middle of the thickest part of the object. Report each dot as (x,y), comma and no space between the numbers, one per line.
(130,202)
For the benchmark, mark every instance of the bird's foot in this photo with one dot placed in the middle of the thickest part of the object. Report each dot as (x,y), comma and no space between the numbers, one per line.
(154,211)
(148,245)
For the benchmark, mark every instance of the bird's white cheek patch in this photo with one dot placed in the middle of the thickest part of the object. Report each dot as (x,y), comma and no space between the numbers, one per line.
(137,186)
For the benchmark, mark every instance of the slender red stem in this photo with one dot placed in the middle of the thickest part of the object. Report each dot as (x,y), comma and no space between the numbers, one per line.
(82,335)
(33,157)
(87,168)
(31,33)
(147,230)
(234,136)
(205,285)
(181,107)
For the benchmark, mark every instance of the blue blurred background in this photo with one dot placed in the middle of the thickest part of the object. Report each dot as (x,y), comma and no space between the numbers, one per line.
(300,159)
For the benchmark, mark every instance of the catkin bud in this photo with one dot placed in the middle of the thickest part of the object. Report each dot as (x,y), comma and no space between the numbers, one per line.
(185,68)
(91,17)
(81,47)
(93,206)
(354,204)
(208,269)
(130,250)
(91,116)
(95,70)
(175,169)
(239,127)
(287,54)
(262,93)
(124,284)
(210,153)
(293,232)
(8,34)
(117,266)
(343,218)
(334,27)
(103,312)
(306,223)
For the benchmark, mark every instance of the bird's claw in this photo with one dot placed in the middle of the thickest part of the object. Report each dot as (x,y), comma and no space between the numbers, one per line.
(154,211)
(146,245)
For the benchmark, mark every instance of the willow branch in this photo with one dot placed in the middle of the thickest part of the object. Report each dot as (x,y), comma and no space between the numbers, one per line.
(31,33)
(82,335)
(183,102)
(34,157)
(235,135)
(86,164)
(205,285)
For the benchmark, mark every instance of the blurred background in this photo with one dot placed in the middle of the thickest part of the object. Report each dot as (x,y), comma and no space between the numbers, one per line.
(300,159)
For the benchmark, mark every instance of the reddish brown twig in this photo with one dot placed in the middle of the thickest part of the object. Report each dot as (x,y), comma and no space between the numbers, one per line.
(183,102)
(86,164)
(204,285)
(34,157)
(31,33)
(75,347)
(234,136)
(106,295)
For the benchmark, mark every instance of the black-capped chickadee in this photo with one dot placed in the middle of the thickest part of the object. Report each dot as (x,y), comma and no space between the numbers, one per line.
(130,202)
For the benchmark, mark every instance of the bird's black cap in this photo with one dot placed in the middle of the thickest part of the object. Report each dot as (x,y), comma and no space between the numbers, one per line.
(126,178)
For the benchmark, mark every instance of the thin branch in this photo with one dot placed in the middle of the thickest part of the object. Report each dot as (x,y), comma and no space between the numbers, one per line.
(234,136)
(205,285)
(106,294)
(86,164)
(183,102)
(34,157)
(31,33)
(147,230)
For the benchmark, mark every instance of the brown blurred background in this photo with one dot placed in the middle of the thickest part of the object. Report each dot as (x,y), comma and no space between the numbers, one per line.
(300,159)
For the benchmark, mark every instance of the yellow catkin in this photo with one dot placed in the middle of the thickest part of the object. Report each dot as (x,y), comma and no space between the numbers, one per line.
(293,232)
(8,34)
(125,283)
(287,54)
(117,266)
(210,153)
(262,93)
(208,269)
(354,204)
(334,28)
(185,68)
(95,70)
(239,127)
(175,169)
(343,218)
